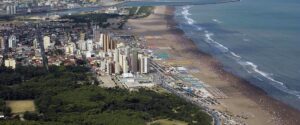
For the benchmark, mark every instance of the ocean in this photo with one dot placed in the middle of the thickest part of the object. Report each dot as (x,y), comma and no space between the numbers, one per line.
(258,40)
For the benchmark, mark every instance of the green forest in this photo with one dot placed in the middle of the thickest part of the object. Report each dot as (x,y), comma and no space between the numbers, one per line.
(97,18)
(65,95)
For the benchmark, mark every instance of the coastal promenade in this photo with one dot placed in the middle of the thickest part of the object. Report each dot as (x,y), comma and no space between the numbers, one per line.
(164,81)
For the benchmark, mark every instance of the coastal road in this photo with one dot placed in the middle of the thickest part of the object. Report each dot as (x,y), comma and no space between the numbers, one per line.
(163,80)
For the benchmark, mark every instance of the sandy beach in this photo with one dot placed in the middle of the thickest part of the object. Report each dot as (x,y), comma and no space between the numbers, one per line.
(159,30)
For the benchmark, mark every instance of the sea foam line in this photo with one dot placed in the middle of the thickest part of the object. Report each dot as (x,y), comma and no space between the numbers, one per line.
(246,64)
(185,12)
(217,21)
(210,40)
(253,67)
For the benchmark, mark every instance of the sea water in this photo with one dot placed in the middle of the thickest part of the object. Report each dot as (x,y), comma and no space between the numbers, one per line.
(258,40)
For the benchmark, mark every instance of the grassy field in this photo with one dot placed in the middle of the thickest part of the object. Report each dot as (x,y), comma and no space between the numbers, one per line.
(21,106)
(167,122)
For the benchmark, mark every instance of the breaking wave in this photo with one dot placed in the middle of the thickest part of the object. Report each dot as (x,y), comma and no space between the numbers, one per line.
(217,21)
(189,20)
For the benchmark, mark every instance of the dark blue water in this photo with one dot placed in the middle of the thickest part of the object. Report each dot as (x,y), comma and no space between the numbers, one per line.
(258,40)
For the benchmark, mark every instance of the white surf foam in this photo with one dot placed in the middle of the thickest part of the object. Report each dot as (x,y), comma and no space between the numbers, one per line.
(186,15)
(278,84)
(217,21)
(190,21)
(209,39)
(199,28)
(264,74)
(235,55)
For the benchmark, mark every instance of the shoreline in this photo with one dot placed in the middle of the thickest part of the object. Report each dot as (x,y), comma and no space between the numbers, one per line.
(244,97)
(285,112)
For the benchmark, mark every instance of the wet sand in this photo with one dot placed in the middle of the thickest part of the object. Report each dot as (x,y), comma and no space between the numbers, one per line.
(159,29)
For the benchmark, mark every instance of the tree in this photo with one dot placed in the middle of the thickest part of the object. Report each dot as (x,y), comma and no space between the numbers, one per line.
(6,111)
(31,116)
